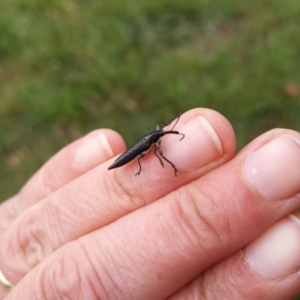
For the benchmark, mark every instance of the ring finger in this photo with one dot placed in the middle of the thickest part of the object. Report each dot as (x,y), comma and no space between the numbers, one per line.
(68,164)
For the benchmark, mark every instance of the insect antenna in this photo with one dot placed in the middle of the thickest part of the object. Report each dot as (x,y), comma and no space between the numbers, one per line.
(177,119)
(175,125)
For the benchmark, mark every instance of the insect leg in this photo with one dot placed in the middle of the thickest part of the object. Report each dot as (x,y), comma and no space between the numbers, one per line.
(140,167)
(161,154)
(155,152)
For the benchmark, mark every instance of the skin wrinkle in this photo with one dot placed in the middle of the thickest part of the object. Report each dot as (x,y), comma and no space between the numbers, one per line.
(144,246)
(84,210)
(201,291)
(95,273)
(211,293)
(112,278)
(227,225)
(93,204)
(230,290)
(195,291)
(132,201)
(44,290)
(235,207)
(131,273)
(109,187)
(29,251)
(59,273)
(59,218)
(86,283)
(55,232)
(46,186)
(208,294)
(183,217)
(34,244)
(162,226)
(34,249)
(39,235)
(209,227)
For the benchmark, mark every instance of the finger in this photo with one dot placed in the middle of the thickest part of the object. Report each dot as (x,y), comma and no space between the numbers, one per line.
(68,164)
(100,196)
(163,246)
(266,269)
(71,162)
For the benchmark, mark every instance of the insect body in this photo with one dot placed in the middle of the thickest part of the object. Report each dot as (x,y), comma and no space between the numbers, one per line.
(145,144)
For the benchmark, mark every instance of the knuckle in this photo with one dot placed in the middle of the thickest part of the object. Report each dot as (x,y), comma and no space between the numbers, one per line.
(216,284)
(47,180)
(39,186)
(73,275)
(22,247)
(201,216)
(118,188)
(64,277)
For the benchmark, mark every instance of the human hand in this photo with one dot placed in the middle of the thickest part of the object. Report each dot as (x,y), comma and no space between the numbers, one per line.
(217,231)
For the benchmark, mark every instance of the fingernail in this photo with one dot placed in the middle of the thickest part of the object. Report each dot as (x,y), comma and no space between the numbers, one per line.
(93,152)
(274,169)
(4,281)
(205,143)
(276,252)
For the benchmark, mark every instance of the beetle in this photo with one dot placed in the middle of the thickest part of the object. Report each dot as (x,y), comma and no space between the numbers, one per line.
(152,140)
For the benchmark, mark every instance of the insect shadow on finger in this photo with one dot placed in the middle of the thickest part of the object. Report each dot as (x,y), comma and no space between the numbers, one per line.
(152,140)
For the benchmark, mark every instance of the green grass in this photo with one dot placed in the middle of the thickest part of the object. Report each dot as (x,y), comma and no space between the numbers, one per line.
(67,67)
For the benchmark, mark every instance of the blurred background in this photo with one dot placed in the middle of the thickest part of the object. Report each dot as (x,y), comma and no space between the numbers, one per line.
(69,66)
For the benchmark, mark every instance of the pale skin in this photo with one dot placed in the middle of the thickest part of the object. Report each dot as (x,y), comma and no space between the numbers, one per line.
(78,231)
